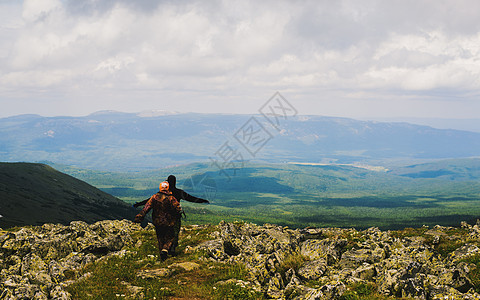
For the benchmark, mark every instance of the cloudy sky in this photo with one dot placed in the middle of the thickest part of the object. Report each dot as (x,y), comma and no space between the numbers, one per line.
(361,59)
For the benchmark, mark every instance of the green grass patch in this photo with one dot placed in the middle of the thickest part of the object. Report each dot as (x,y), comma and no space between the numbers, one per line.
(409,232)
(114,277)
(360,291)
(294,261)
(364,291)
(232,291)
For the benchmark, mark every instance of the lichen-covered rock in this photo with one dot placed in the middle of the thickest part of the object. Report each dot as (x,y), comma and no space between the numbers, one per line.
(463,252)
(365,272)
(154,273)
(301,292)
(35,260)
(314,263)
(356,257)
(327,249)
(187,266)
(261,248)
(333,290)
(275,287)
(213,249)
(312,270)
(333,257)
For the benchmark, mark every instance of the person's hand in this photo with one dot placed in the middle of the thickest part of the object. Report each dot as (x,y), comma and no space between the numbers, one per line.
(138,218)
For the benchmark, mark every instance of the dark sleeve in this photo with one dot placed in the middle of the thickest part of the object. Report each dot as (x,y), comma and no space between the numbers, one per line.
(146,208)
(186,196)
(141,203)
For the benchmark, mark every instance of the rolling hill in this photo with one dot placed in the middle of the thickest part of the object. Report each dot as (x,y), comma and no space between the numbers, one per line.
(449,169)
(33,194)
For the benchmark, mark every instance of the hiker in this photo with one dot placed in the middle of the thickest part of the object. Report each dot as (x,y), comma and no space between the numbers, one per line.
(179,194)
(166,212)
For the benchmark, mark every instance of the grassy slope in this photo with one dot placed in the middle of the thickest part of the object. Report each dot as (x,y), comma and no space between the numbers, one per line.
(298,195)
(109,278)
(33,194)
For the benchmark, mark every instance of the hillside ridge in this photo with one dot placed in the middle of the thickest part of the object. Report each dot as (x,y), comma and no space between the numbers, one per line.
(33,194)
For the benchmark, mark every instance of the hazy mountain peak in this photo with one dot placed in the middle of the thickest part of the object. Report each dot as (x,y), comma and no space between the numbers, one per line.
(106,112)
(155,113)
(24,117)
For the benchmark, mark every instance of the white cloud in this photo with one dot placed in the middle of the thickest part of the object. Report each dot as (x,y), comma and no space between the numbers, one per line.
(123,51)
(34,10)
(430,61)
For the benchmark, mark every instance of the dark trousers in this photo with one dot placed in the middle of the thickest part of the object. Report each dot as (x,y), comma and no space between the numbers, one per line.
(176,229)
(165,237)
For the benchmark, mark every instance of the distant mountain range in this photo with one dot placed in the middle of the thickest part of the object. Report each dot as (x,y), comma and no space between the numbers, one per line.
(125,141)
(442,123)
(34,194)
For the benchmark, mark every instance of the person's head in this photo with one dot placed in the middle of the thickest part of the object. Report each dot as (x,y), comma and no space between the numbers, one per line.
(172,180)
(164,187)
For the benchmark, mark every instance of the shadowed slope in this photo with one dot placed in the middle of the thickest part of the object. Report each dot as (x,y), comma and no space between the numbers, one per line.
(33,194)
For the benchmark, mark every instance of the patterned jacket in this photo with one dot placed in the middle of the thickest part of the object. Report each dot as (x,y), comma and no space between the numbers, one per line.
(166,209)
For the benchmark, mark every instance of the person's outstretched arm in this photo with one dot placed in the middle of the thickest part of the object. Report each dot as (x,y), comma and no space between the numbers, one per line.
(139,218)
(141,203)
(186,196)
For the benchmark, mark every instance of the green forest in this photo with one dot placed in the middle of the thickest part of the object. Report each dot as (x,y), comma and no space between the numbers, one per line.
(444,192)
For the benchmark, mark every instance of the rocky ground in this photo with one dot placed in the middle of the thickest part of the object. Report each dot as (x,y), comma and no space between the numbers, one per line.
(313,263)
(330,259)
(39,262)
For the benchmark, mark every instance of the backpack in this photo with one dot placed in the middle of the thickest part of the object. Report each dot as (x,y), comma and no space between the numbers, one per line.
(164,188)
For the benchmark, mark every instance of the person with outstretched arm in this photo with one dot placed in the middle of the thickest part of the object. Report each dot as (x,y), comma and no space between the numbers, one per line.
(166,212)
(179,194)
